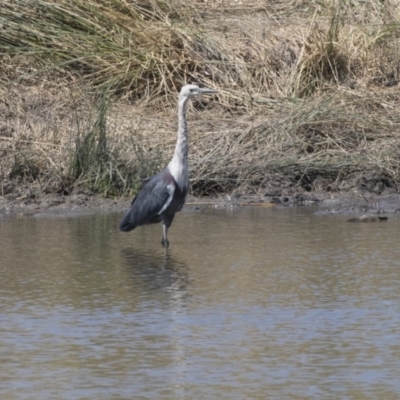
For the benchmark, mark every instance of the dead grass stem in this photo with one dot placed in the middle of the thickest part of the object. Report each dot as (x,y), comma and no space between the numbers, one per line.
(307,93)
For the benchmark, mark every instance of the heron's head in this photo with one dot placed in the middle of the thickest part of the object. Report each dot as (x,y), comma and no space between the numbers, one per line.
(189,91)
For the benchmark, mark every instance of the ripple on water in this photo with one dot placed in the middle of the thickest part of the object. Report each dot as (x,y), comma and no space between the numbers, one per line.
(251,303)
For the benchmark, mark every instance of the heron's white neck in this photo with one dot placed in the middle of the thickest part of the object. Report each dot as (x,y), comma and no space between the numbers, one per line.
(178,166)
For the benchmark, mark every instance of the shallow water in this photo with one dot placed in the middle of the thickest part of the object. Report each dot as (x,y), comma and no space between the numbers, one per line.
(251,303)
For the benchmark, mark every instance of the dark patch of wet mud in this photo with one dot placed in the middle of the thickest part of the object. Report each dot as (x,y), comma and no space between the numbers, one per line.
(59,205)
(351,204)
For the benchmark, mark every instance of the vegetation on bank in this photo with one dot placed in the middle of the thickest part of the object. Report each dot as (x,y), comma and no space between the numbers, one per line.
(308,94)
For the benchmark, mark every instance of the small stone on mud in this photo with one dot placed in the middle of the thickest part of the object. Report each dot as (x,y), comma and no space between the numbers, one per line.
(368,218)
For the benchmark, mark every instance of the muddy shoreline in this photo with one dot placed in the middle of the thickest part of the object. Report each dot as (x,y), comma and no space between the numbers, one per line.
(349,204)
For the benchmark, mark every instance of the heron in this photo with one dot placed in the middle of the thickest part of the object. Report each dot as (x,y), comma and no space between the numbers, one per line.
(164,194)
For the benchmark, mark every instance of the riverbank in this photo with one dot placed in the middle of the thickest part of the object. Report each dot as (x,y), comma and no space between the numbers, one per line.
(322,203)
(307,102)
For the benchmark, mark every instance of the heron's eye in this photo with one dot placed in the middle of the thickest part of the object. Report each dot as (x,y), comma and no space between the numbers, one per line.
(191,90)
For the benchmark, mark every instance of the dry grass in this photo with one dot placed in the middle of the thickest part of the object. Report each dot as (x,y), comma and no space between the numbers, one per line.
(308,93)
(315,144)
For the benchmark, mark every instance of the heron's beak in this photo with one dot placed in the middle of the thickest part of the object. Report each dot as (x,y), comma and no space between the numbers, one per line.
(207,91)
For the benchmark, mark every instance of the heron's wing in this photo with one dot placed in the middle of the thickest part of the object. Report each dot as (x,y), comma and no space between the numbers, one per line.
(152,199)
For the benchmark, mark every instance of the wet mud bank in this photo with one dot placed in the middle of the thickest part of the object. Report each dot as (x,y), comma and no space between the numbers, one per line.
(350,204)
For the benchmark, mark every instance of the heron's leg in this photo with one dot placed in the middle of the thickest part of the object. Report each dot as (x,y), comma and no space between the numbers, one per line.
(164,241)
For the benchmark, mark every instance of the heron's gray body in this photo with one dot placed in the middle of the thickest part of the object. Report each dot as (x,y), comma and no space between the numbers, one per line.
(158,200)
(164,194)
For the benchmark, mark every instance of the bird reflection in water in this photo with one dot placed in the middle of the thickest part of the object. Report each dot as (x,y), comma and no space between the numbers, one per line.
(150,271)
(161,285)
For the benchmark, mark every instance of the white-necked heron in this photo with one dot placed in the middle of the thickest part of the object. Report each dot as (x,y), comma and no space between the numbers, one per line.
(164,194)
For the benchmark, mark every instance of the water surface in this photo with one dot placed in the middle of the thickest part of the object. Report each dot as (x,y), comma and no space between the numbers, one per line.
(250,303)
